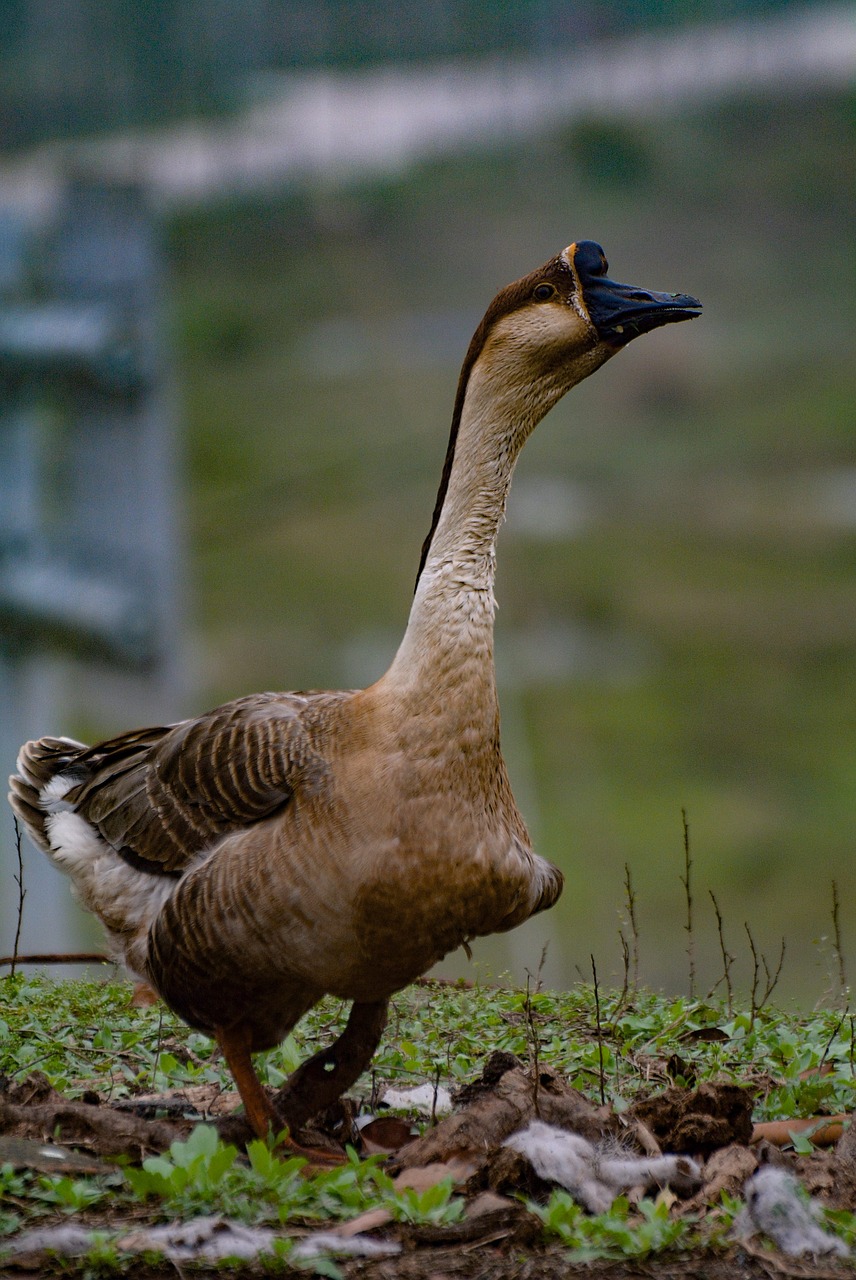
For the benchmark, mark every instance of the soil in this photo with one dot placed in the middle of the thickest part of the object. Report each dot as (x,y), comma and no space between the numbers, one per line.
(498,1237)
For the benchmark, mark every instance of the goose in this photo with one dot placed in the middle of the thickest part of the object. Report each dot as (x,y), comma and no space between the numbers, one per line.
(288,846)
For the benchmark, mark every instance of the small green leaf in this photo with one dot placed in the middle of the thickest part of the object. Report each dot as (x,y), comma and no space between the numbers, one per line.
(802,1143)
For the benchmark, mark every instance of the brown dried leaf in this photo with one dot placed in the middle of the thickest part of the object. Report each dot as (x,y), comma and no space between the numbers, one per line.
(385,1134)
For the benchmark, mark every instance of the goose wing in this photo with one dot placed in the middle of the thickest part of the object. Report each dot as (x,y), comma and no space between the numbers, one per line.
(160,797)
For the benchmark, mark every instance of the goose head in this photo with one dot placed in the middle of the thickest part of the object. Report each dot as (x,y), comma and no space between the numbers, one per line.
(546,332)
(539,337)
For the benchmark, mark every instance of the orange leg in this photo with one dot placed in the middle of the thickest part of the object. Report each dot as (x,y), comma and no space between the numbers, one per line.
(235,1043)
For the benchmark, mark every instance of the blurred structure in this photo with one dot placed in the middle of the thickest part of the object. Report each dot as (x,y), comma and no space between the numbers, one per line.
(284,115)
(89,543)
(79,66)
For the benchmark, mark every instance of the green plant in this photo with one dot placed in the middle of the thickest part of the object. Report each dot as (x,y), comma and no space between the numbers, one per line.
(796,1065)
(843,1223)
(38,1191)
(103,1259)
(9,1222)
(347,1190)
(193,1170)
(11,1184)
(52,1027)
(204,1174)
(618,1233)
(436,1205)
(70,1194)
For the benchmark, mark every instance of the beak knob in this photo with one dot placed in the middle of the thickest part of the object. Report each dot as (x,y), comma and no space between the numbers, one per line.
(620,312)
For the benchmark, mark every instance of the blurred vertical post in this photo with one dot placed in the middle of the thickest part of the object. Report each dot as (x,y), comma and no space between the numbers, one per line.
(91,551)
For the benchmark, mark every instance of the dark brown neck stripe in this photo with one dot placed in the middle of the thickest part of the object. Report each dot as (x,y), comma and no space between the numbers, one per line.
(510,299)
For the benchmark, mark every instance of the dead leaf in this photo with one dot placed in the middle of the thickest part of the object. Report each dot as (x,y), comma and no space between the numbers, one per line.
(422,1177)
(385,1134)
(488,1202)
(643,1136)
(726,1170)
(418,1180)
(368,1221)
(704,1035)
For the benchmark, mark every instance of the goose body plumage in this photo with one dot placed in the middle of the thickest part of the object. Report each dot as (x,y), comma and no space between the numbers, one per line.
(285,846)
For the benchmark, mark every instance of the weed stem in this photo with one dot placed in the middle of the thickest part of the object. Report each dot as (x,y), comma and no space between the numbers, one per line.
(685,881)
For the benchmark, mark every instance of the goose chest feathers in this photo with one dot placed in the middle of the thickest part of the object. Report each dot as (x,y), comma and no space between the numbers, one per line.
(289,845)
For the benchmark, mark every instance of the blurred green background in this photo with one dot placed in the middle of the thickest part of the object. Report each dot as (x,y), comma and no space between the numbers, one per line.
(677,624)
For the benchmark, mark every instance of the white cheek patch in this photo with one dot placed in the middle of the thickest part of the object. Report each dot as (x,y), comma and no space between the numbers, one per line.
(514,354)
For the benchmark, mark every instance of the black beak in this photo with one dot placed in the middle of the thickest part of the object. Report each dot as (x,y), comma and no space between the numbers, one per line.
(620,312)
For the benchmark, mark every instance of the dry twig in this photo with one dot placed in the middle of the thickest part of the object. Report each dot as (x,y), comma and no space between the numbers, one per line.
(685,881)
(57,957)
(22,893)
(534,1044)
(630,903)
(727,957)
(771,979)
(599,1027)
(836,942)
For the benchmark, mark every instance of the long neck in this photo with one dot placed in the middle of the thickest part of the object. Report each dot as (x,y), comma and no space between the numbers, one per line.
(447,649)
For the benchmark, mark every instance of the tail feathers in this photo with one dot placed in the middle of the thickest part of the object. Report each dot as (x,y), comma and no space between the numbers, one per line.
(45,774)
(40,761)
(24,800)
(48,795)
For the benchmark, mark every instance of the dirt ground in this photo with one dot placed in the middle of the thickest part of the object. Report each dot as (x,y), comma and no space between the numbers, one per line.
(707,1132)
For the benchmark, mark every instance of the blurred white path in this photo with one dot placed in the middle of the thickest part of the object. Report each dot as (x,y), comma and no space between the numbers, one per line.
(333,125)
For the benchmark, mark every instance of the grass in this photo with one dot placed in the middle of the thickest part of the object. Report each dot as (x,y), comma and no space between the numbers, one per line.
(85,1036)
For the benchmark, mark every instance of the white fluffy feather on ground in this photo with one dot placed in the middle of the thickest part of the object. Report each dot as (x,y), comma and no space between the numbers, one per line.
(593,1176)
(776,1207)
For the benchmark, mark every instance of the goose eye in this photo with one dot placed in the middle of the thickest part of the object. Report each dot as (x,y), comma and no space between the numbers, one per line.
(542,292)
